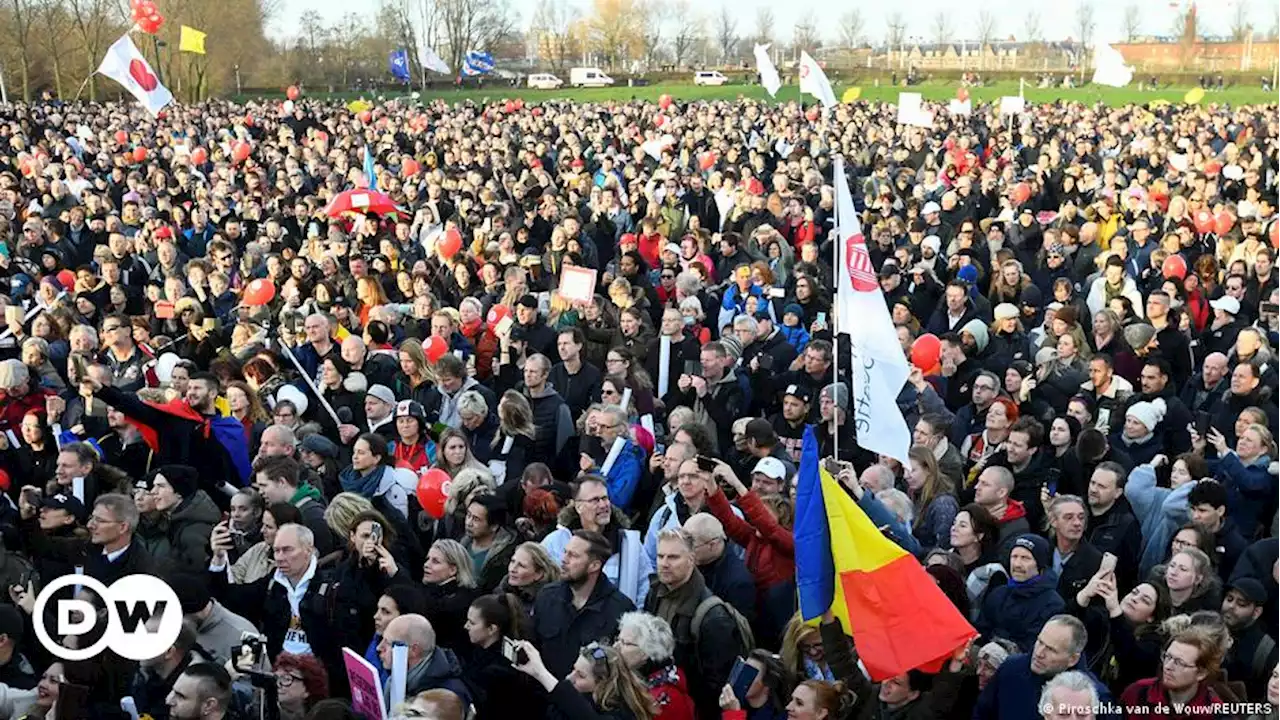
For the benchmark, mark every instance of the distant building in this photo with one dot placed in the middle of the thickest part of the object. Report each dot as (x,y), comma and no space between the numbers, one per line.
(1201,55)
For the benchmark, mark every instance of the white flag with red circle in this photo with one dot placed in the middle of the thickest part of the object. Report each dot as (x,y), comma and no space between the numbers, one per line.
(126,65)
(879,367)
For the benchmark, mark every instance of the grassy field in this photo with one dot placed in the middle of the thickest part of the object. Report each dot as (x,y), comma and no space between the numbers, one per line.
(938,92)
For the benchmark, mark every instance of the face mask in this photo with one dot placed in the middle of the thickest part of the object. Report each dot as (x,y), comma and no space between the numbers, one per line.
(688,321)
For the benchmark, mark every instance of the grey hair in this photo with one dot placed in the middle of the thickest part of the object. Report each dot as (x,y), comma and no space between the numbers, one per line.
(476,305)
(1079,635)
(652,634)
(688,283)
(40,344)
(306,538)
(121,506)
(746,322)
(705,526)
(1073,681)
(458,556)
(83,330)
(679,416)
(692,304)
(471,402)
(618,414)
(882,474)
(898,503)
(677,534)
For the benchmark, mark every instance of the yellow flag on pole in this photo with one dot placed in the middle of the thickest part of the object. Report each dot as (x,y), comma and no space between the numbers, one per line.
(191,40)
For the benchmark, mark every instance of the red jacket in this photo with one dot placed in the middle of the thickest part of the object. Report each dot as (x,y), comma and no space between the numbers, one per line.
(485,343)
(669,690)
(771,548)
(1150,695)
(12,409)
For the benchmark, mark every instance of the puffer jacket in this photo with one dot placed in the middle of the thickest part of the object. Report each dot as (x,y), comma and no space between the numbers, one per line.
(190,524)
(624,475)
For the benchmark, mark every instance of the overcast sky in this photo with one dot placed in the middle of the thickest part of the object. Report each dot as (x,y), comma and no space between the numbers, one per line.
(1057,19)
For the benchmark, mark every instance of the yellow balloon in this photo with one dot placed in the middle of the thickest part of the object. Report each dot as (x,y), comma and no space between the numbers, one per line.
(851,94)
(1194,95)
(359,105)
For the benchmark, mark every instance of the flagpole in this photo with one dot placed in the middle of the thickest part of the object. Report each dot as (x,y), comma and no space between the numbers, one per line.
(835,323)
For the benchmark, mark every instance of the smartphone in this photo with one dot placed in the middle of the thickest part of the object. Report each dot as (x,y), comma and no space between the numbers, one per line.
(1108,563)
(1270,307)
(741,678)
(512,652)
(832,466)
(592,448)
(822,319)
(659,449)
(693,368)
(249,653)
(13,314)
(706,464)
(375,533)
(82,367)
(1203,420)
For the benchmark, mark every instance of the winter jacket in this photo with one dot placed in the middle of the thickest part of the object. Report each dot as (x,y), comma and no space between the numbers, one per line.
(628,568)
(707,654)
(555,428)
(1097,299)
(624,475)
(1118,531)
(222,631)
(729,579)
(560,630)
(446,608)
(494,568)
(1251,490)
(438,671)
(1017,610)
(1014,692)
(770,548)
(1147,698)
(190,524)
(378,483)
(723,403)
(933,527)
(1160,512)
(1142,450)
(673,514)
(500,690)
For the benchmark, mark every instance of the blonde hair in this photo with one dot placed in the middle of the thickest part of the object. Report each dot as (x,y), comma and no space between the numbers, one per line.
(458,557)
(413,348)
(342,512)
(542,560)
(465,484)
(792,659)
(455,471)
(515,416)
(617,687)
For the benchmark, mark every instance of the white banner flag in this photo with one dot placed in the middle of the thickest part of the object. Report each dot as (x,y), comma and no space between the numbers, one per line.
(1109,67)
(127,66)
(879,367)
(768,73)
(814,81)
(431,61)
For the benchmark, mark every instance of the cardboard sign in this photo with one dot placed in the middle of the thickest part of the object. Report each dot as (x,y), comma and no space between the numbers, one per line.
(1013,105)
(955,107)
(908,107)
(578,283)
(366,691)
(163,310)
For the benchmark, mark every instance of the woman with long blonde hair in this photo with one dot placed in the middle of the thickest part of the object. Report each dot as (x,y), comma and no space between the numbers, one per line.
(602,684)
(513,442)
(417,377)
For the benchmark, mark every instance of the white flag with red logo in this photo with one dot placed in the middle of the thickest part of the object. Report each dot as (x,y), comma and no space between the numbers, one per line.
(814,81)
(127,66)
(879,366)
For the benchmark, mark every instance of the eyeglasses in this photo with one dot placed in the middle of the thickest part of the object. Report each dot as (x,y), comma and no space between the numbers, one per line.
(113,328)
(594,500)
(1177,662)
(287,680)
(100,520)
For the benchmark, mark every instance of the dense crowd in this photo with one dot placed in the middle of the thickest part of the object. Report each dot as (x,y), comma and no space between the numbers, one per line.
(213,376)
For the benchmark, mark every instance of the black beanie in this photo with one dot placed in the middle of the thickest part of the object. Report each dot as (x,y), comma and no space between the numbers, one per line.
(184,479)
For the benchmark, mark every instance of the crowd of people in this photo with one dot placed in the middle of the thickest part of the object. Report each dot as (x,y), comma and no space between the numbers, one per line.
(212,377)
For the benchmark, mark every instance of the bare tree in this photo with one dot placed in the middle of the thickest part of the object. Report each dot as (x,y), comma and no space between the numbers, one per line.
(1085,23)
(554,29)
(805,35)
(654,13)
(22,16)
(727,34)
(1031,26)
(896,26)
(1241,28)
(986,28)
(764,25)
(1132,22)
(94,20)
(942,28)
(852,25)
(690,30)
(473,25)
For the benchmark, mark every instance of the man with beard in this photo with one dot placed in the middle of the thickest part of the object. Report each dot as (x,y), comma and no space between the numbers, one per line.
(155,679)
(201,692)
(582,606)
(1157,382)
(1253,652)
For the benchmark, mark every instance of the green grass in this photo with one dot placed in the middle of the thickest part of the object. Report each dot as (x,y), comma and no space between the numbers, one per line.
(941,91)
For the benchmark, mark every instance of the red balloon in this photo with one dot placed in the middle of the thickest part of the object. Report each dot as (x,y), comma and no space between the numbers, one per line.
(435,348)
(1174,267)
(293,93)
(1021,193)
(1275,234)
(536,112)
(664,102)
(962,94)
(139,154)
(519,104)
(248,120)
(658,120)
(707,160)
(1223,223)
(409,168)
(811,114)
(1204,221)
(509,107)
(66,279)
(450,244)
(199,156)
(433,491)
(926,351)
(497,314)
(259,292)
(240,151)
(122,137)
(364,116)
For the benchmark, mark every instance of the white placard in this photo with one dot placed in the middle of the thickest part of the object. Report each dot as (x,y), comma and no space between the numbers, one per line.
(908,107)
(664,365)
(1012,105)
(956,107)
(578,283)
(359,199)
(614,451)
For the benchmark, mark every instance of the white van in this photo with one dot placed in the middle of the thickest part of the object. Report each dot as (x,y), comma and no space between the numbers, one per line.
(589,77)
(544,81)
(709,77)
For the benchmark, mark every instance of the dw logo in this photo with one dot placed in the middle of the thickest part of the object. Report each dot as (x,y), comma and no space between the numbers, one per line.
(143,617)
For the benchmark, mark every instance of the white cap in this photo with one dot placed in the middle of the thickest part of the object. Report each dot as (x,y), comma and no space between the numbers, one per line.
(772,467)
(1226,304)
(930,207)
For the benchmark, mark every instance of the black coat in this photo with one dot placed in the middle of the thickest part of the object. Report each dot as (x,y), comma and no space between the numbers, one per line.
(1119,532)
(1078,570)
(730,580)
(446,608)
(560,630)
(500,690)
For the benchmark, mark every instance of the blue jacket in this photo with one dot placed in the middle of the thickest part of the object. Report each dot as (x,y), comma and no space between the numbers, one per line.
(1161,511)
(1251,490)
(1014,692)
(624,476)
(1016,611)
(797,336)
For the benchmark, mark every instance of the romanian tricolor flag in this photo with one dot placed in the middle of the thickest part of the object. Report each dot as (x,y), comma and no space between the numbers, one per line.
(898,617)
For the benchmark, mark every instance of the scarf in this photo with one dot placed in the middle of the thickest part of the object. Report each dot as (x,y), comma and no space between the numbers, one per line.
(305,492)
(365,485)
(1130,442)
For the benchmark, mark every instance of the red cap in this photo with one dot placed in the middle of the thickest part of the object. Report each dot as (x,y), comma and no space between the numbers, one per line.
(164,233)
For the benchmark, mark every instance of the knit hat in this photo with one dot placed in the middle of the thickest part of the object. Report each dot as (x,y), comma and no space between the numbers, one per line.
(838,393)
(1005,311)
(184,479)
(932,242)
(793,309)
(1139,335)
(1149,413)
(13,373)
(1069,315)
(1038,547)
(320,445)
(1022,367)
(968,274)
(978,330)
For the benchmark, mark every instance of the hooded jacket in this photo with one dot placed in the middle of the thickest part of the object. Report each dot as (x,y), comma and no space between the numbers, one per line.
(494,567)
(190,524)
(1160,512)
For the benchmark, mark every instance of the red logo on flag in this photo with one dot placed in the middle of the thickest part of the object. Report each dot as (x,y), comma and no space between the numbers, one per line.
(804,71)
(141,75)
(861,273)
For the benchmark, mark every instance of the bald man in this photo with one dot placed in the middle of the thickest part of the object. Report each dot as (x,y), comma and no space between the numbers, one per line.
(1205,390)
(379,367)
(429,667)
(725,573)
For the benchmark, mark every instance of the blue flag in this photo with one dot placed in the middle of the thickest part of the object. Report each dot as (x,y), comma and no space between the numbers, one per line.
(399,63)
(477,63)
(369,174)
(815,571)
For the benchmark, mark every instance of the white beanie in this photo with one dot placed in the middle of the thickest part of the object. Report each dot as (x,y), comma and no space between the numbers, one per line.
(1148,413)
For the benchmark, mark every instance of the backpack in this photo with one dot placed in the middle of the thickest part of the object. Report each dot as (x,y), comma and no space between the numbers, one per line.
(746,641)
(1261,654)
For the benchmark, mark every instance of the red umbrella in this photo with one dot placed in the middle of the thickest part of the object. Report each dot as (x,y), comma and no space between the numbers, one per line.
(361,201)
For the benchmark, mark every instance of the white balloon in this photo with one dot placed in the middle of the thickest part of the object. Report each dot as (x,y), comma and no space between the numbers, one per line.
(165,365)
(293,395)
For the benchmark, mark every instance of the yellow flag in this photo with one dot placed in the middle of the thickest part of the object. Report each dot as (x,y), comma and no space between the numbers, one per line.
(1193,96)
(851,95)
(191,40)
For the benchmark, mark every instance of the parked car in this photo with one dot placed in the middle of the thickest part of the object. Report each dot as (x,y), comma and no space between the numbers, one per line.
(709,77)
(544,81)
(589,77)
